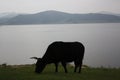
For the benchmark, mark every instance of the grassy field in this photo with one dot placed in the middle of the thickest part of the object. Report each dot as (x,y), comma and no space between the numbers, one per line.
(27,73)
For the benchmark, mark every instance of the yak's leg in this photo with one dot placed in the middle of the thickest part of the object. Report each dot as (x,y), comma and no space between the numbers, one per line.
(64,65)
(76,66)
(80,65)
(56,67)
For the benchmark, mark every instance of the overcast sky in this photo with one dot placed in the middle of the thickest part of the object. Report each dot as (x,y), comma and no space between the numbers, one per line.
(73,6)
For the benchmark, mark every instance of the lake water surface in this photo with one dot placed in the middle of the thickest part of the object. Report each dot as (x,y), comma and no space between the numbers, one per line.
(20,42)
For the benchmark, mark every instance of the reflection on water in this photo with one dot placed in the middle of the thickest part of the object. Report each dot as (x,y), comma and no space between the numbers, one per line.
(102,41)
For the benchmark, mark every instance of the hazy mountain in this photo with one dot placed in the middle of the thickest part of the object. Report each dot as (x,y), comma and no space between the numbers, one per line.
(8,15)
(4,17)
(56,17)
(110,13)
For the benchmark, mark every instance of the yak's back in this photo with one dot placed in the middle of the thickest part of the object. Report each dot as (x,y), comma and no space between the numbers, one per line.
(67,46)
(65,50)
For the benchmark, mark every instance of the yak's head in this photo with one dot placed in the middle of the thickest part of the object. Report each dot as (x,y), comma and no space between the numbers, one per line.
(40,64)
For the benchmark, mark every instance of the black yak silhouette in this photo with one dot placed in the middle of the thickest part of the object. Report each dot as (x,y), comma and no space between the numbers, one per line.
(63,52)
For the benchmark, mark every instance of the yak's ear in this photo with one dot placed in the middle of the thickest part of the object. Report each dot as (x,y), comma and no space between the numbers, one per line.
(34,58)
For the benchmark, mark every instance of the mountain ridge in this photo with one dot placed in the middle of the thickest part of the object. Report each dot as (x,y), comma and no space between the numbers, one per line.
(58,17)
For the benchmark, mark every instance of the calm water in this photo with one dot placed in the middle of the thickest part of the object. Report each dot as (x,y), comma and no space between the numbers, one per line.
(20,42)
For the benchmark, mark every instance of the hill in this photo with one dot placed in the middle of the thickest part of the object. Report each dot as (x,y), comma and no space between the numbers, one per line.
(57,17)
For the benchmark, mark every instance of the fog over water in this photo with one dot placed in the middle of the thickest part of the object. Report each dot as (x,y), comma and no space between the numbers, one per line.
(20,42)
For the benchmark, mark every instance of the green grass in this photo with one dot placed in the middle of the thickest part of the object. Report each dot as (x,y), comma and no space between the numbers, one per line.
(27,73)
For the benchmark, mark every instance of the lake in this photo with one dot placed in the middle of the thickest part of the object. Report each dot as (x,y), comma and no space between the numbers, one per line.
(20,42)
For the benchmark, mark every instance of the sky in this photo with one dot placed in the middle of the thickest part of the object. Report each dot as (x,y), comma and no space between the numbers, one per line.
(72,6)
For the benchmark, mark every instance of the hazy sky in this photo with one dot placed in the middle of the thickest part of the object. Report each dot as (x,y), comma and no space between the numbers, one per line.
(73,6)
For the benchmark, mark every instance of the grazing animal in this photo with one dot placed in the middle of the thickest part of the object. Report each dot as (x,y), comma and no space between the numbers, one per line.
(63,52)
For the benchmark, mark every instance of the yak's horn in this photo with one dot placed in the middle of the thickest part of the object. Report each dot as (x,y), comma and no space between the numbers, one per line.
(33,58)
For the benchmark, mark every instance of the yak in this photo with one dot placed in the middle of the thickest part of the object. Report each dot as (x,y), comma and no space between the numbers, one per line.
(61,52)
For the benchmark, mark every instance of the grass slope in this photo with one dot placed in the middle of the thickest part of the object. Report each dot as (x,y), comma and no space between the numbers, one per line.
(27,73)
